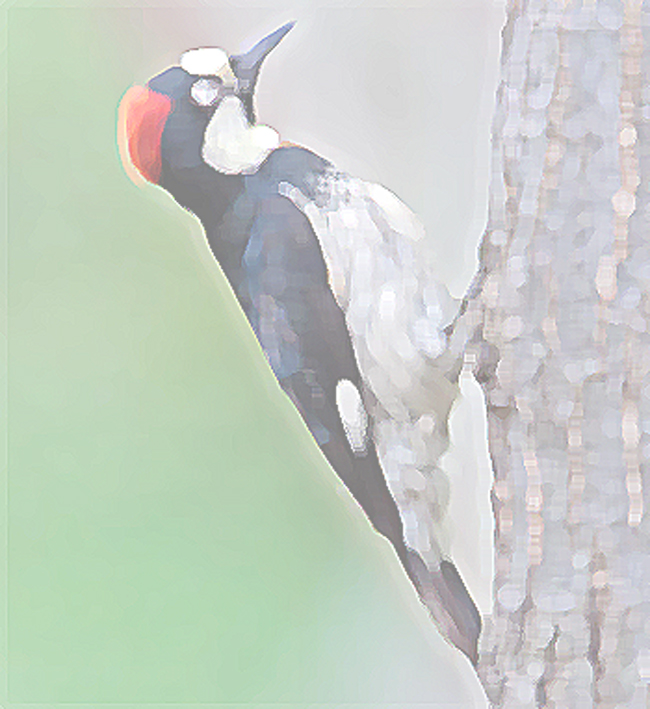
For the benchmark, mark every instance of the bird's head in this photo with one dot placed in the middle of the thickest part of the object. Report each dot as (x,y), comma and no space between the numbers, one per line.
(200,113)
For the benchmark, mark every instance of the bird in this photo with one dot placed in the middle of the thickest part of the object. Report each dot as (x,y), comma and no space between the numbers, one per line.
(333,277)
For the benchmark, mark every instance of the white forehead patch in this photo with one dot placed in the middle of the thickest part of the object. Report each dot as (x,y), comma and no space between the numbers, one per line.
(205,61)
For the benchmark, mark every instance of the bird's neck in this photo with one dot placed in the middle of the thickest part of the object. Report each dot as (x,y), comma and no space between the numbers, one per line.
(206,193)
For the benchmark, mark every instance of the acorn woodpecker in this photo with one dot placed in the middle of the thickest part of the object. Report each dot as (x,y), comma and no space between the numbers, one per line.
(331,274)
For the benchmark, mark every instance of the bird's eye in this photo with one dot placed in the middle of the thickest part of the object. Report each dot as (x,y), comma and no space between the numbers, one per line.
(205,92)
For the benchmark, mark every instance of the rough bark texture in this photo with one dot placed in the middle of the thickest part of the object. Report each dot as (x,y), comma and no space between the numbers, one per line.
(562,350)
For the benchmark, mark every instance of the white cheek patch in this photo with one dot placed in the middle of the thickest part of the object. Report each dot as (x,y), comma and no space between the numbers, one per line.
(231,145)
(353,416)
(205,61)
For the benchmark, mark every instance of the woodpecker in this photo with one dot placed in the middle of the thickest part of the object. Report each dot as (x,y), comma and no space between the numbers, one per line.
(331,273)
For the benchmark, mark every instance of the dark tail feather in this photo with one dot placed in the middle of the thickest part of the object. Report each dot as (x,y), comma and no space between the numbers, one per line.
(444,594)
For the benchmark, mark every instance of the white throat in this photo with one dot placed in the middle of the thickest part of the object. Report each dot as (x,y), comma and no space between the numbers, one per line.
(233,146)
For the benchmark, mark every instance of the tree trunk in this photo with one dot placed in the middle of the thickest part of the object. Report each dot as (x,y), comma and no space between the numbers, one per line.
(562,351)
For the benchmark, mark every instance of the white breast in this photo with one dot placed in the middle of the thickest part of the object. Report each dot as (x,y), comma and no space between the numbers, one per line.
(382,277)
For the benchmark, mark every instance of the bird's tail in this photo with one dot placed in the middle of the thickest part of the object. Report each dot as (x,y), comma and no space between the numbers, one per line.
(446,598)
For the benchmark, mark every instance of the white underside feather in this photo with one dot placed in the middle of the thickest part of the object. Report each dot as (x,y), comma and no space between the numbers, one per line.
(396,312)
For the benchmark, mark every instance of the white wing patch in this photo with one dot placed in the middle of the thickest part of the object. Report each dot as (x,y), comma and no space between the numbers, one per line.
(382,274)
(231,145)
(353,416)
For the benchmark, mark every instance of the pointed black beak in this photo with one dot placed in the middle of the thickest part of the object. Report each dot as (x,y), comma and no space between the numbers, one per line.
(246,66)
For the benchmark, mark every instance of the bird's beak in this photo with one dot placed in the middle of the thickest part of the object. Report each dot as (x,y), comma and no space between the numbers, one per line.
(246,66)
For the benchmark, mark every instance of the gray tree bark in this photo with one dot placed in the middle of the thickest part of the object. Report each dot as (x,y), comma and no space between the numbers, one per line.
(559,322)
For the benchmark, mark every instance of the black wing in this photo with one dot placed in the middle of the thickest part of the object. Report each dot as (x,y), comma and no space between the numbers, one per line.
(303,333)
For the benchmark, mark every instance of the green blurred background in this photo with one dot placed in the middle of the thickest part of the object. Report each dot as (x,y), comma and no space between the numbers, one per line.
(174,535)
